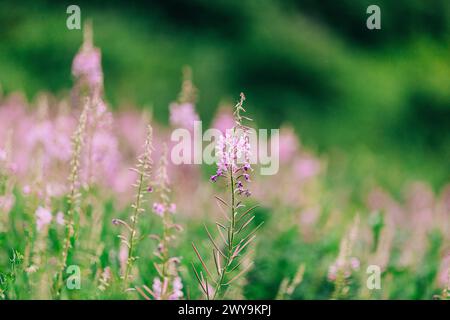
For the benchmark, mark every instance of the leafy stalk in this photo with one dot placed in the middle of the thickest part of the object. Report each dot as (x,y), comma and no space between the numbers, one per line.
(229,256)
(73,198)
(143,169)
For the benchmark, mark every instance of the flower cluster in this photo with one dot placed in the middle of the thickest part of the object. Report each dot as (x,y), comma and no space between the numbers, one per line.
(224,119)
(159,289)
(161,208)
(345,264)
(233,153)
(183,115)
(87,63)
(43,218)
(344,267)
(182,112)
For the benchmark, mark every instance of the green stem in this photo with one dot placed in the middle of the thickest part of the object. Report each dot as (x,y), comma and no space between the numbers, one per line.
(133,231)
(165,252)
(220,283)
(65,254)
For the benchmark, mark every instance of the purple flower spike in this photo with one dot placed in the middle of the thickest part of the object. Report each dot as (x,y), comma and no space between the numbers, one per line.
(159,209)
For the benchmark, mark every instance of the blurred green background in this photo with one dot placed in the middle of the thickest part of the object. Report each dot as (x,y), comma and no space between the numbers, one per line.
(376,103)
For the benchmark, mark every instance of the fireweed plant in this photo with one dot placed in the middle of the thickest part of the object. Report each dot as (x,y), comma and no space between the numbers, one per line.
(168,284)
(64,176)
(233,167)
(287,287)
(130,239)
(72,200)
(340,272)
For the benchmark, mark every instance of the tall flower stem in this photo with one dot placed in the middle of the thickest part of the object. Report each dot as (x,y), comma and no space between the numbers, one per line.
(231,232)
(166,215)
(72,198)
(233,164)
(132,235)
(143,169)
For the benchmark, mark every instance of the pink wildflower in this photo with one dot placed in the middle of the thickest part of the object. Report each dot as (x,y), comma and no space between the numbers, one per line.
(123,257)
(60,218)
(288,144)
(6,203)
(183,115)
(87,65)
(306,167)
(177,287)
(26,189)
(354,263)
(233,152)
(444,272)
(43,218)
(157,288)
(172,208)
(2,155)
(332,272)
(224,120)
(159,208)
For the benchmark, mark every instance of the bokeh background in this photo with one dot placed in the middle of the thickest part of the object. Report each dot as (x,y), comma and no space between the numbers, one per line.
(373,106)
(382,97)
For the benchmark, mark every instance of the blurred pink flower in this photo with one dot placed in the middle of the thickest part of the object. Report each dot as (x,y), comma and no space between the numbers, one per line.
(445,198)
(13,167)
(444,272)
(43,217)
(55,189)
(53,136)
(87,65)
(224,120)
(26,190)
(183,115)
(172,208)
(158,288)
(288,144)
(101,162)
(60,218)
(332,272)
(2,155)
(306,167)
(158,208)
(354,263)
(6,203)
(177,287)
(345,267)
